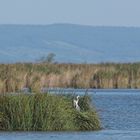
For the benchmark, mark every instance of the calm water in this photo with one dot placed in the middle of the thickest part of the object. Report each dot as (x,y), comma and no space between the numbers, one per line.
(120,117)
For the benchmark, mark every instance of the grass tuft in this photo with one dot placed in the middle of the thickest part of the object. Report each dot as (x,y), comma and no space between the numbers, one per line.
(46,112)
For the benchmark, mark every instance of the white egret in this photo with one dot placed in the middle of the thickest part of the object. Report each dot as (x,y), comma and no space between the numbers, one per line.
(75,102)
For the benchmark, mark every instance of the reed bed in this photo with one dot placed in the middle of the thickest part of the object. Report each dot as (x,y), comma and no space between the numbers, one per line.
(46,112)
(13,77)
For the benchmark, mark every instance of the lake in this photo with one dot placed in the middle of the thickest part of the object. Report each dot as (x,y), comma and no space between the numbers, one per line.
(119,112)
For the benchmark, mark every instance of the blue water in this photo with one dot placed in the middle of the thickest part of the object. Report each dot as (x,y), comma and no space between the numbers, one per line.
(118,110)
(120,118)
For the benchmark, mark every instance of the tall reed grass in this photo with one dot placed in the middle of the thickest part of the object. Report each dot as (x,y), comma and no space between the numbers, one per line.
(35,76)
(46,112)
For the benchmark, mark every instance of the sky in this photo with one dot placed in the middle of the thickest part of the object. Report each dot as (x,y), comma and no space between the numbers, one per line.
(84,12)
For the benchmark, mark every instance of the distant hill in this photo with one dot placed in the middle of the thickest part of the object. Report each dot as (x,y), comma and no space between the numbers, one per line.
(70,43)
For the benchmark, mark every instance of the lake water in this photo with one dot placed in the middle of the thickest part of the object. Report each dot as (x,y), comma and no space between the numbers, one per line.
(120,117)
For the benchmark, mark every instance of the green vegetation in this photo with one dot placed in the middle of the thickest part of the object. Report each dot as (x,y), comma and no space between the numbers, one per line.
(47,59)
(46,112)
(35,76)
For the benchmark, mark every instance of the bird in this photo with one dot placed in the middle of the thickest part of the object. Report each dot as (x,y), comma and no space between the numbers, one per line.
(75,102)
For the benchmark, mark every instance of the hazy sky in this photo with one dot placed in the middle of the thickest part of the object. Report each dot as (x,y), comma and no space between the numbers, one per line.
(88,12)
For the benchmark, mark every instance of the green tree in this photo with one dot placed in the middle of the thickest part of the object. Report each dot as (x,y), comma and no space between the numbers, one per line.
(47,59)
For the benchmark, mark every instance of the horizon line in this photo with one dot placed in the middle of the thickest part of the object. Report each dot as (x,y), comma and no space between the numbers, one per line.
(65,23)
